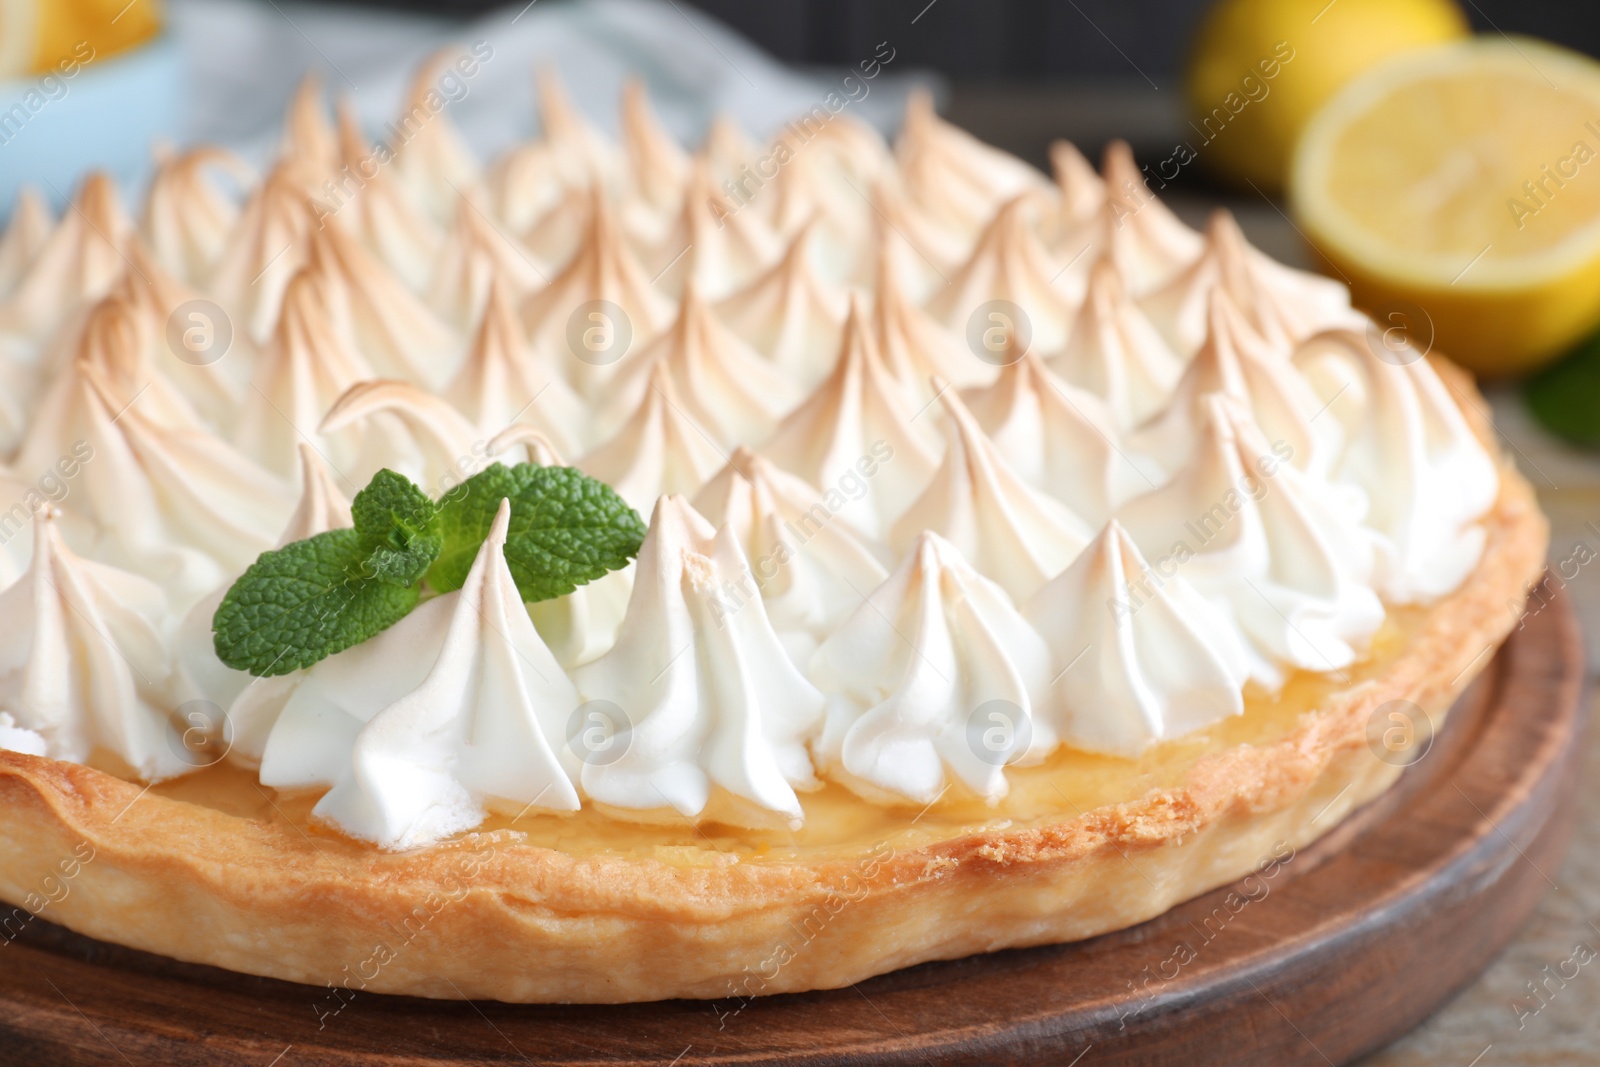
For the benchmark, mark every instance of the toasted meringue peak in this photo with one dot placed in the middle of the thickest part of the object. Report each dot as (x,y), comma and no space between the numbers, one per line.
(538,448)
(560,232)
(715,248)
(163,496)
(306,368)
(1148,243)
(1116,353)
(1236,361)
(268,245)
(187,219)
(83,663)
(308,135)
(1279,551)
(475,253)
(859,417)
(322,504)
(1010,531)
(1058,438)
(408,430)
(27,232)
(658,167)
(954,175)
(605,269)
(729,151)
(717,715)
(156,492)
(482,729)
(523,187)
(912,245)
(582,155)
(432,161)
(117,340)
(916,347)
(790,314)
(213,380)
(1427,477)
(76,266)
(367,201)
(659,449)
(1137,658)
(809,566)
(389,324)
(502,381)
(1081,191)
(1281,304)
(936,676)
(723,385)
(823,183)
(1010,264)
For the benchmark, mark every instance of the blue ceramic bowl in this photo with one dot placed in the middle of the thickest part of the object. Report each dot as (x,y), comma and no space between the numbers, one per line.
(54,128)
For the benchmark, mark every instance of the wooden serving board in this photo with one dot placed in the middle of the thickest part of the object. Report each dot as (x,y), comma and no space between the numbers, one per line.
(1349,945)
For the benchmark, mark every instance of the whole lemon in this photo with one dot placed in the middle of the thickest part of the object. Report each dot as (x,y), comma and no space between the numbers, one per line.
(1261,68)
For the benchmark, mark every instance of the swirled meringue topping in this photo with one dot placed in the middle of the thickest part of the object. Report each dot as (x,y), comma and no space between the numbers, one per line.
(954,175)
(1236,361)
(936,677)
(720,381)
(1010,531)
(1282,305)
(27,231)
(809,566)
(1115,353)
(1426,476)
(1136,657)
(187,219)
(1279,550)
(715,713)
(1010,264)
(1058,438)
(901,591)
(504,380)
(858,415)
(83,661)
(790,314)
(483,728)
(658,450)
(77,265)
(305,369)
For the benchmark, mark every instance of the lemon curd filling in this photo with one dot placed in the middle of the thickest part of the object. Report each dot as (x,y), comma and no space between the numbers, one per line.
(840,824)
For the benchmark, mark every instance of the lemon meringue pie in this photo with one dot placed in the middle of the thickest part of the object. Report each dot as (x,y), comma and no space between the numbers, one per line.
(1019,561)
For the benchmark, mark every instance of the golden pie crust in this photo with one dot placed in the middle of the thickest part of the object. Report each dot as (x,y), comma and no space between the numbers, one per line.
(502,915)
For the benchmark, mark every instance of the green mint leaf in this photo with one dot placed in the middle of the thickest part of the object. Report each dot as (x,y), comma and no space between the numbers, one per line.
(566,529)
(1565,398)
(399,527)
(303,602)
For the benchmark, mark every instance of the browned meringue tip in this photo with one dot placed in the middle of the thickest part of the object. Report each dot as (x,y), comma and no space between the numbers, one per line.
(307,133)
(521,433)
(361,400)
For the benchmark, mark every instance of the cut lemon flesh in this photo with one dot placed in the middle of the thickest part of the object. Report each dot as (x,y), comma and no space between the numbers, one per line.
(1465,179)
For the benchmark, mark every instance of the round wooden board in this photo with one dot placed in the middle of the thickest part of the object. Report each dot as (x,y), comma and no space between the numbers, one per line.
(1351,943)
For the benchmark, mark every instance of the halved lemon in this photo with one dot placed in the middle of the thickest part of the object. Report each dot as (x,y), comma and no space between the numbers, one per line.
(1459,187)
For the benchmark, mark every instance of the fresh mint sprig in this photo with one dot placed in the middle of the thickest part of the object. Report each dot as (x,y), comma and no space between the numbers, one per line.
(303,602)
(566,529)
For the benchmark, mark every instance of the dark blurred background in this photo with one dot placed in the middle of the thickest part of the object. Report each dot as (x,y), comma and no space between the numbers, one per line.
(1033,40)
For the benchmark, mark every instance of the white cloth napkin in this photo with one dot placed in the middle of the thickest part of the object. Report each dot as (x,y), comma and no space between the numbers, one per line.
(244,58)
